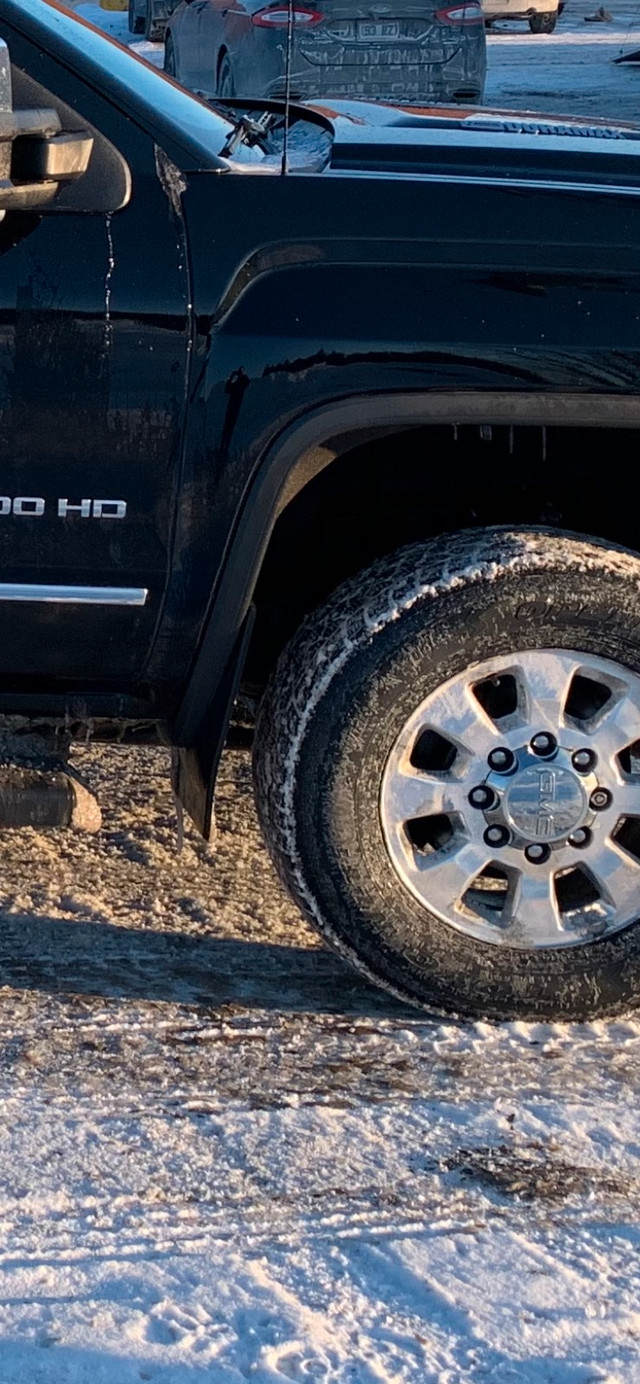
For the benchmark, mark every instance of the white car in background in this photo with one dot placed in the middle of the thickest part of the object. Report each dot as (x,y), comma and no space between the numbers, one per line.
(542,15)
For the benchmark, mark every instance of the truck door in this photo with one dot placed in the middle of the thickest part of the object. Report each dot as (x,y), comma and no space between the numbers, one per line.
(93,356)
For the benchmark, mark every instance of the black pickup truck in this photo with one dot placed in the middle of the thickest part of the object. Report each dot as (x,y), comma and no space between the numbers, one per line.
(335,416)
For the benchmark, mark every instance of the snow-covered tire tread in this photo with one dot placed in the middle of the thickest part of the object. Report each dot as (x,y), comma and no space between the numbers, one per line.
(351,618)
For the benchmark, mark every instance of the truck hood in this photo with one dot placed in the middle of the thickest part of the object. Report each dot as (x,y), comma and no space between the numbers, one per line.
(519,145)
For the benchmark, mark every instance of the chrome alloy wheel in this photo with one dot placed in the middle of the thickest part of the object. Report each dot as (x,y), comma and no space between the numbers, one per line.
(510,802)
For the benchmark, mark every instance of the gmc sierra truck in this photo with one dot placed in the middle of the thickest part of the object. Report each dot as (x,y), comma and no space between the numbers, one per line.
(334,412)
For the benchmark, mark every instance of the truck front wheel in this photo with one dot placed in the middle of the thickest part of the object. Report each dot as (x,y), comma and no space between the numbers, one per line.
(154,29)
(136,22)
(448,774)
(543,23)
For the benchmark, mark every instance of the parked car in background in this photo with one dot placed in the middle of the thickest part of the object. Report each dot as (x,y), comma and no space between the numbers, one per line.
(542,15)
(405,51)
(149,17)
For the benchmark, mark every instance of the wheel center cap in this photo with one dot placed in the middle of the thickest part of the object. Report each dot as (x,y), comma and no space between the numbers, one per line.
(545,802)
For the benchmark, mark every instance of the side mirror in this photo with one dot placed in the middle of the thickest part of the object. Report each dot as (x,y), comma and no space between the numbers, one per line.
(40,161)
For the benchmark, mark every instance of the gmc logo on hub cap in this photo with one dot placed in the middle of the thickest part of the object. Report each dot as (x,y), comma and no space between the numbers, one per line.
(546,800)
(545,803)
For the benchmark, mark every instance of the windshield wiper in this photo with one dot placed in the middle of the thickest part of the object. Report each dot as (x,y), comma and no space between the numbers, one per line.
(246,130)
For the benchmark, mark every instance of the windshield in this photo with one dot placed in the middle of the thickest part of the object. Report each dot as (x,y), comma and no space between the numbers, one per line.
(159,99)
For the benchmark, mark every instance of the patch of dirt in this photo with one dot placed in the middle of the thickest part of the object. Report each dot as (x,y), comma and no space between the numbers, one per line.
(531,1174)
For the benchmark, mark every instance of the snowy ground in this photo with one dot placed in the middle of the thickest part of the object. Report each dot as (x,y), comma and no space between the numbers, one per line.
(224,1157)
(115,22)
(571,71)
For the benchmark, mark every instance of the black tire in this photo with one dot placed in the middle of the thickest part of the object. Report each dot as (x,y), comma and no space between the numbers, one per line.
(170,57)
(154,29)
(136,24)
(226,86)
(543,23)
(340,695)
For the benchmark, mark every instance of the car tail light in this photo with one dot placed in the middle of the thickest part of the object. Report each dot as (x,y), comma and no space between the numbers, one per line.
(460,14)
(277,17)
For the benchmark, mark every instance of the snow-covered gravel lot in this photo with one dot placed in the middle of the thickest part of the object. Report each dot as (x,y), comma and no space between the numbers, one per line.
(224,1157)
(571,71)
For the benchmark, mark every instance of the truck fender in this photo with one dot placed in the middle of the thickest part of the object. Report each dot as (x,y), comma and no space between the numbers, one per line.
(293,459)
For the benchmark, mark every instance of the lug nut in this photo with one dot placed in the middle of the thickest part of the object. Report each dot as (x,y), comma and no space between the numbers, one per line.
(600,798)
(496,836)
(537,853)
(580,838)
(583,760)
(482,796)
(544,743)
(501,760)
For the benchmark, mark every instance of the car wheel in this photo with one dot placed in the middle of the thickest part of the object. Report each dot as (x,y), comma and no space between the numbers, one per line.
(543,23)
(226,81)
(447,772)
(136,23)
(154,29)
(170,57)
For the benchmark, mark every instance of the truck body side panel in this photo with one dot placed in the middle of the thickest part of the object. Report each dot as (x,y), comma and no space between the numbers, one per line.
(456,287)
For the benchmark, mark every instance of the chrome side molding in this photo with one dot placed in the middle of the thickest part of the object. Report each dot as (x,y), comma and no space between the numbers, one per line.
(74,595)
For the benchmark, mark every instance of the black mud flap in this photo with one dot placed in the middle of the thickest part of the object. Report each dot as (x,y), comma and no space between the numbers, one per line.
(195,766)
